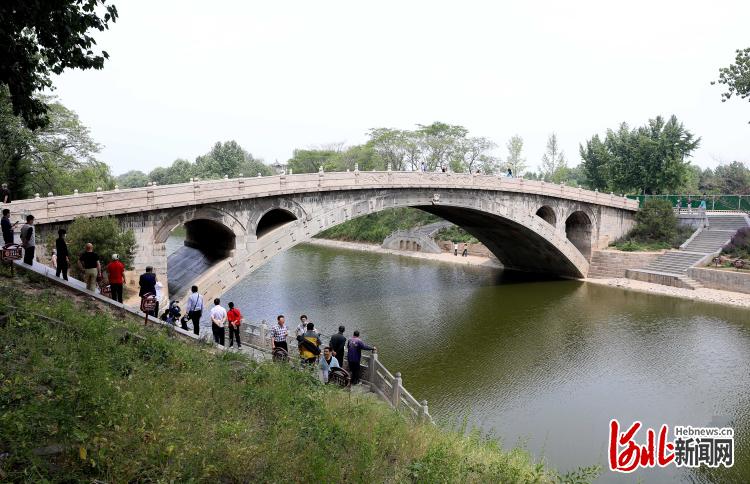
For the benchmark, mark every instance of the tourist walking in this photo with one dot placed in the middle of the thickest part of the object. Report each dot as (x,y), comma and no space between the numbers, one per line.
(235,318)
(354,355)
(4,193)
(337,344)
(301,327)
(423,167)
(89,264)
(63,256)
(279,334)
(147,285)
(309,345)
(327,362)
(509,174)
(218,317)
(465,253)
(116,277)
(28,240)
(455,249)
(194,310)
(7,227)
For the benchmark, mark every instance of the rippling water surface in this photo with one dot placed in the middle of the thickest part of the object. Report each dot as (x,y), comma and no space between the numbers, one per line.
(541,364)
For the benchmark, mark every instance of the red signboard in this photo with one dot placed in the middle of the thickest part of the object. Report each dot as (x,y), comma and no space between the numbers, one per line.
(148,303)
(12,252)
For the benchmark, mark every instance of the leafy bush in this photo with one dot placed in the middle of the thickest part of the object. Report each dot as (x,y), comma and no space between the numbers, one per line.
(375,227)
(656,221)
(739,246)
(106,235)
(456,234)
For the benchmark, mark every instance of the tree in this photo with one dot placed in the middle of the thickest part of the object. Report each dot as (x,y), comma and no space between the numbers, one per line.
(132,179)
(438,143)
(14,144)
(554,164)
(653,158)
(40,38)
(595,162)
(107,236)
(515,161)
(309,161)
(732,179)
(736,77)
(472,154)
(224,159)
(655,221)
(391,145)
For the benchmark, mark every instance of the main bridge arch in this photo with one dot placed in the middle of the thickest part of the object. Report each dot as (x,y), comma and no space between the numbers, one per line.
(507,224)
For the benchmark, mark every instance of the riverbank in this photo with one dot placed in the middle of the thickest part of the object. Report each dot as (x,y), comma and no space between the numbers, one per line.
(442,257)
(85,404)
(703,294)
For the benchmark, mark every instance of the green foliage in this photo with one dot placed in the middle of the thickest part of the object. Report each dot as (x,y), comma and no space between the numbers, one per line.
(159,409)
(554,164)
(132,179)
(736,77)
(656,228)
(57,158)
(515,161)
(455,233)
(39,39)
(650,159)
(224,159)
(106,235)
(374,228)
(739,246)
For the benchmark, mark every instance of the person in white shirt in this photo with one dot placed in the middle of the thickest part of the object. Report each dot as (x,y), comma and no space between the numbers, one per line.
(194,310)
(218,317)
(302,327)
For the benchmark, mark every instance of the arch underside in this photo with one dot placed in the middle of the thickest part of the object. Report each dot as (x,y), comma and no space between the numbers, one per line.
(516,247)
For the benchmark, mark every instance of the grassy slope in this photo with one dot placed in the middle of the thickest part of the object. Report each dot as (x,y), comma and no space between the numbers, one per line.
(164,409)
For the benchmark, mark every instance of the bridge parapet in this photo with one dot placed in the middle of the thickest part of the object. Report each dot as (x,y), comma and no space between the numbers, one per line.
(118,202)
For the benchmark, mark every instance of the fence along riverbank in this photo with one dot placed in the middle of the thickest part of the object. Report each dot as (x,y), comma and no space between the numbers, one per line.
(382,382)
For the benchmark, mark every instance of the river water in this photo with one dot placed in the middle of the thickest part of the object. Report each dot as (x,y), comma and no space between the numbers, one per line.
(543,364)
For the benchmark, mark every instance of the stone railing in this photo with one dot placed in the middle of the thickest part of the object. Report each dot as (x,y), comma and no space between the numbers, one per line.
(53,209)
(382,382)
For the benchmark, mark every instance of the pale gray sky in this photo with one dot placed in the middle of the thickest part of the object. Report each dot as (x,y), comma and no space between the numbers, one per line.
(280,75)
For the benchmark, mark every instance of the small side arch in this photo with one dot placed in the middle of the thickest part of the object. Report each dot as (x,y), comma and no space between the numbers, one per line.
(578,230)
(547,214)
(272,220)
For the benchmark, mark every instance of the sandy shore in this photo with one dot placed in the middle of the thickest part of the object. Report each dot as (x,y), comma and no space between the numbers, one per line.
(703,294)
(715,296)
(443,257)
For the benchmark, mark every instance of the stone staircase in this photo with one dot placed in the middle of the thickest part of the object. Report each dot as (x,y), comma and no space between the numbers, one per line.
(671,267)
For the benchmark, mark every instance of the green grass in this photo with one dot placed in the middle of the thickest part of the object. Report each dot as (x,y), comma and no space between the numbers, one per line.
(166,410)
(631,243)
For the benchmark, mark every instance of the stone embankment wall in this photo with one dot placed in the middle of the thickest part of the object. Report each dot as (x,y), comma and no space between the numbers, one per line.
(607,264)
(727,280)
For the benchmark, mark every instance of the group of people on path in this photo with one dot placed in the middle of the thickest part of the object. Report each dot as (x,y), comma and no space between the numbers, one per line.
(464,253)
(309,346)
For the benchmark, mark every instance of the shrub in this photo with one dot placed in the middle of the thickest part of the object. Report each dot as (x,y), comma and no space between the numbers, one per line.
(655,221)
(739,246)
(106,235)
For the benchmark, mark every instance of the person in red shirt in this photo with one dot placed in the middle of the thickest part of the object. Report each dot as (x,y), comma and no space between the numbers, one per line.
(116,276)
(234,317)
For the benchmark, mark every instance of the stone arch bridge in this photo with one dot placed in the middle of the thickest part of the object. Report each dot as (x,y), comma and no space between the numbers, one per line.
(239,224)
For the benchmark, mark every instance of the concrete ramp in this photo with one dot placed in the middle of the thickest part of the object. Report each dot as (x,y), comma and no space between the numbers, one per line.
(185,265)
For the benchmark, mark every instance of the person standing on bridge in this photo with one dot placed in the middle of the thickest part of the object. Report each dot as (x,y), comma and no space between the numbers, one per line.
(279,334)
(7,227)
(218,316)
(116,277)
(235,318)
(28,240)
(194,310)
(89,263)
(4,193)
(63,256)
(337,344)
(354,356)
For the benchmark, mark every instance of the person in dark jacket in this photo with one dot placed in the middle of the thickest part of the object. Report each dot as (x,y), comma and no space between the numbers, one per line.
(147,284)
(63,256)
(354,356)
(7,227)
(337,344)
(4,193)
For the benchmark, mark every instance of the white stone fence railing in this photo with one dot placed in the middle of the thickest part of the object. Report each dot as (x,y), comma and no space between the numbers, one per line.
(53,209)
(382,382)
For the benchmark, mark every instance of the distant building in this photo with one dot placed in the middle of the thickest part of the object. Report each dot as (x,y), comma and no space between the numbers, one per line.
(279,168)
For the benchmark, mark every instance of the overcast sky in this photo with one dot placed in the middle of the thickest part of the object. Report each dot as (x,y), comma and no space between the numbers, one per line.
(276,76)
